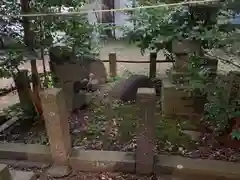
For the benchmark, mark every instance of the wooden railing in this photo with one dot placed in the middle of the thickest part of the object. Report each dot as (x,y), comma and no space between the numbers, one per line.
(152,63)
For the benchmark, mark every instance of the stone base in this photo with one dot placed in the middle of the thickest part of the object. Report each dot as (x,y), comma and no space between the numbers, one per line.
(21,175)
(6,174)
(179,77)
(175,100)
(58,171)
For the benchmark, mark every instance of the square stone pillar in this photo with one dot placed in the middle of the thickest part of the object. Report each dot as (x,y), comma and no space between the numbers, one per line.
(146,102)
(56,123)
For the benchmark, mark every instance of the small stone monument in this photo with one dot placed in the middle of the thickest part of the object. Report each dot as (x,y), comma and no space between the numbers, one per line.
(68,70)
(175,97)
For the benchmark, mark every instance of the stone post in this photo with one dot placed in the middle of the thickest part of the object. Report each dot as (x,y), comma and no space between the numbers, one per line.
(56,123)
(146,102)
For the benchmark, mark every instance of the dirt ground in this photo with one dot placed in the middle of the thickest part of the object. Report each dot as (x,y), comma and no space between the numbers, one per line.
(124,51)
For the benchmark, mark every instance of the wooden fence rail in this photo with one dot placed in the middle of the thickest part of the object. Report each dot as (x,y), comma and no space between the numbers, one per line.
(152,63)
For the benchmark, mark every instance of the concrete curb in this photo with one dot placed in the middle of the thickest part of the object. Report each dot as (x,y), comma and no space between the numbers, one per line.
(182,166)
(19,151)
(99,161)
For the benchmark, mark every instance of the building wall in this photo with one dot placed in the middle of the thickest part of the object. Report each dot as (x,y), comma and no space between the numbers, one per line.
(121,18)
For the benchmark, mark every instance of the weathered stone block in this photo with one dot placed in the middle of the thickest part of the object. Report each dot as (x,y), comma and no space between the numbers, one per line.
(29,152)
(4,172)
(68,70)
(176,101)
(58,171)
(181,63)
(22,175)
(177,77)
(56,122)
(126,89)
(180,73)
(102,161)
(146,101)
(185,47)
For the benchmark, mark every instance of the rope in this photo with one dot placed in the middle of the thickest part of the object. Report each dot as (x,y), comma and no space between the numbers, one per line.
(110,10)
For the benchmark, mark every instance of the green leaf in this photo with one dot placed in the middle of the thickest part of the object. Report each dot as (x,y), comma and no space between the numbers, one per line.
(236,134)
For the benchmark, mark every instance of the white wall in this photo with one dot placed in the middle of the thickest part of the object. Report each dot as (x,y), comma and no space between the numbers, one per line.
(121,18)
(93,17)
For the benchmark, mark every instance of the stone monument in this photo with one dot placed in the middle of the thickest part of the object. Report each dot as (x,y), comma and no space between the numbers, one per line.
(176,99)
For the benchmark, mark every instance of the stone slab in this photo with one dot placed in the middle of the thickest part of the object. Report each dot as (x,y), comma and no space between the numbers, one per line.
(25,164)
(182,166)
(58,171)
(20,151)
(126,89)
(100,161)
(173,99)
(176,100)
(77,69)
(22,175)
(178,166)
(4,172)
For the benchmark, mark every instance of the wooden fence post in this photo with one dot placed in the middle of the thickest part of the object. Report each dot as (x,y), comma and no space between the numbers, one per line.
(113,64)
(146,102)
(56,123)
(153,65)
(36,87)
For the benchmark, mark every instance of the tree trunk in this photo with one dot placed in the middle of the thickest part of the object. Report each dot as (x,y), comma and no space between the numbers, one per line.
(29,42)
(23,87)
(26,23)
(42,53)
